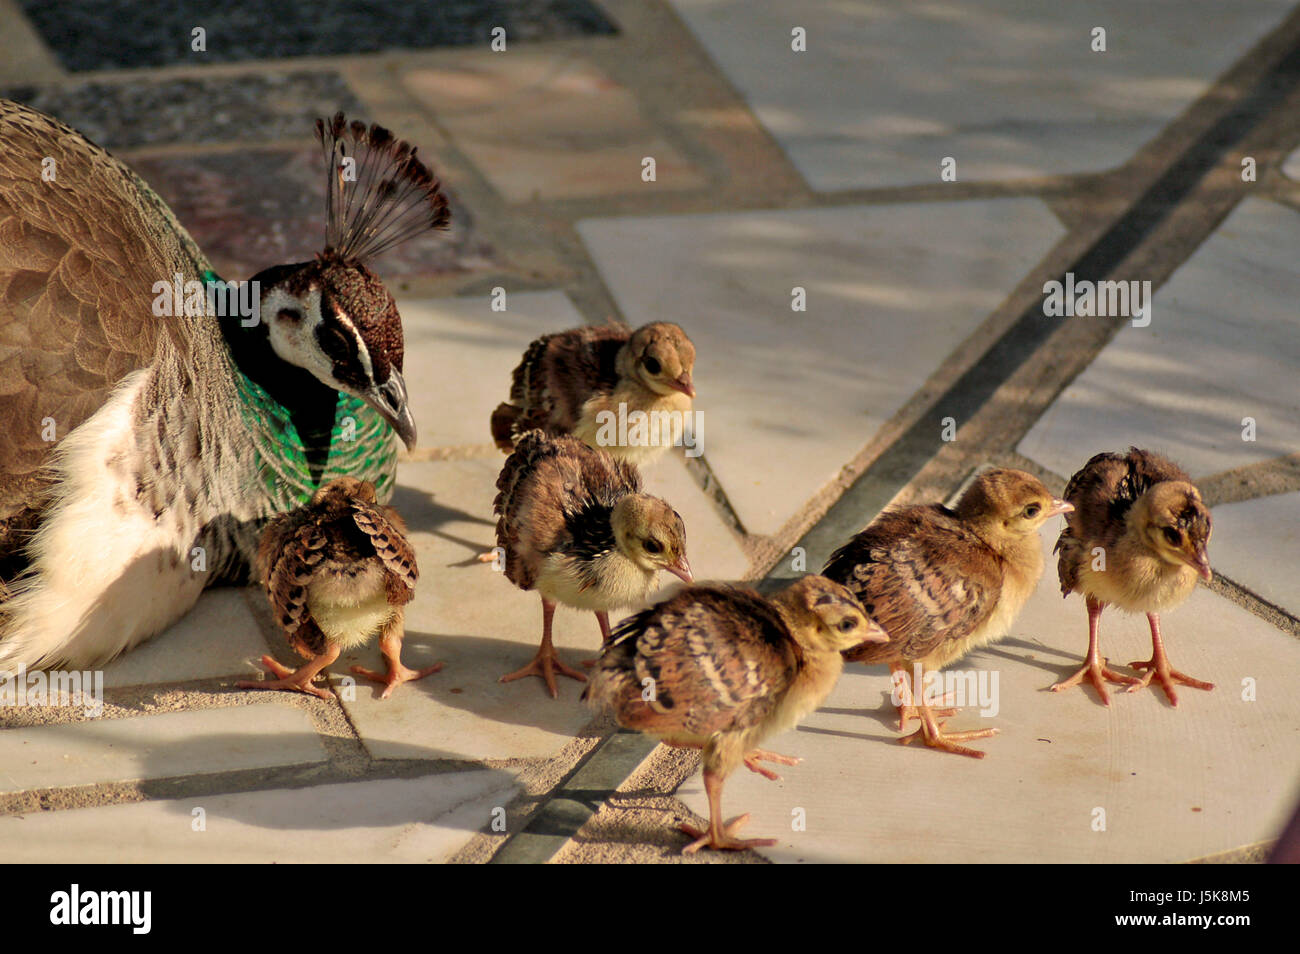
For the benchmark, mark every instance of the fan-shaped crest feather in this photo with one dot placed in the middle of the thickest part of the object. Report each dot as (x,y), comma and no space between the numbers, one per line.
(384,197)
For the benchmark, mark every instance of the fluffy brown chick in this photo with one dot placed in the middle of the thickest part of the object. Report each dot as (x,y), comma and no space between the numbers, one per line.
(338,572)
(567,379)
(943,582)
(576,528)
(721,668)
(1137,540)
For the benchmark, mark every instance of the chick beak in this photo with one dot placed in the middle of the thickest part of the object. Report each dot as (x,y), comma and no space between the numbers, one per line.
(684,384)
(875,633)
(1059,506)
(389,399)
(1201,561)
(682,570)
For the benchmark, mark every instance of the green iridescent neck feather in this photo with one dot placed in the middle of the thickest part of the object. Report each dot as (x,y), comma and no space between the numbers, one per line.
(361,444)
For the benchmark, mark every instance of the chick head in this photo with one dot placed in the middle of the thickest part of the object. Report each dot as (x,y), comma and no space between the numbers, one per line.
(1010,502)
(1175,523)
(651,534)
(341,489)
(660,357)
(826,616)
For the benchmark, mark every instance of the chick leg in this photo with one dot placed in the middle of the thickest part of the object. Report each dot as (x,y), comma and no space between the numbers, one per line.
(390,644)
(1094,667)
(906,706)
(931,733)
(605,638)
(547,661)
(1158,666)
(299,679)
(718,835)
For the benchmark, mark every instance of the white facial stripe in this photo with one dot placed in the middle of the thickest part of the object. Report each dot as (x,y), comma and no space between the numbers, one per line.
(363,353)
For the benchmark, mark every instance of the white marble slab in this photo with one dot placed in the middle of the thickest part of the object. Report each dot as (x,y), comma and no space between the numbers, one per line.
(1257,543)
(460,355)
(199,742)
(885,90)
(1223,345)
(414,821)
(790,397)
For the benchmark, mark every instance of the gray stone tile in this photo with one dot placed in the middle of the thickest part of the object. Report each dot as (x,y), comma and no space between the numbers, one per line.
(790,397)
(1223,345)
(127,34)
(417,820)
(1257,543)
(219,637)
(216,109)
(481,626)
(200,742)
(1009,89)
(460,354)
(1214,774)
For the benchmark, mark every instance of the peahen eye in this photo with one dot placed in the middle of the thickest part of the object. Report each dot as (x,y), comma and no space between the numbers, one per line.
(652,364)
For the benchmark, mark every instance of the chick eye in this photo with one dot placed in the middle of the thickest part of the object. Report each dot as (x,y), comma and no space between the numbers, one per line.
(1032,510)
(651,364)
(290,314)
(1173,536)
(848,625)
(653,546)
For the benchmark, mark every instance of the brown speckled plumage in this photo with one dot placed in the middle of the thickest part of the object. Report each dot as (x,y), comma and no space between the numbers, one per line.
(565,377)
(574,525)
(941,581)
(720,668)
(1137,540)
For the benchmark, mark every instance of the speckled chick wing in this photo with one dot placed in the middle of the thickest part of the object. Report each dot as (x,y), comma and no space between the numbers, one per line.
(337,570)
(924,576)
(556,497)
(1141,511)
(709,659)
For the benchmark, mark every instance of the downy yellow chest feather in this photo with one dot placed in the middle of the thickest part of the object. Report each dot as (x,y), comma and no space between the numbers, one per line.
(350,610)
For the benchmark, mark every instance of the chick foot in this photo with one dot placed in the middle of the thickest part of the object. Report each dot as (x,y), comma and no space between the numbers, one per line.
(1158,668)
(299,680)
(545,664)
(932,734)
(395,676)
(722,837)
(754,756)
(1098,674)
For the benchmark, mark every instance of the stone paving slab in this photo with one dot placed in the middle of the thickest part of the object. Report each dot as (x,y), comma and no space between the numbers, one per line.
(126,34)
(1214,774)
(885,91)
(891,291)
(201,742)
(460,355)
(219,637)
(481,626)
(208,110)
(1223,345)
(1257,543)
(400,820)
(545,125)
